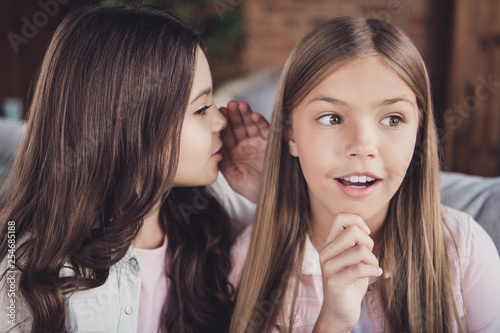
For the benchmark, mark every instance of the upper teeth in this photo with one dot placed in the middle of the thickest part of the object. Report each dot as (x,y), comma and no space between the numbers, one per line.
(359,179)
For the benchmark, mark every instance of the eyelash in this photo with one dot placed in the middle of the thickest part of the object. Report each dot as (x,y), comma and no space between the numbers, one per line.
(330,115)
(400,121)
(340,120)
(201,111)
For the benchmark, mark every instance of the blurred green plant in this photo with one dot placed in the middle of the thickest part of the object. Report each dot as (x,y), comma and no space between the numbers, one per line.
(222,34)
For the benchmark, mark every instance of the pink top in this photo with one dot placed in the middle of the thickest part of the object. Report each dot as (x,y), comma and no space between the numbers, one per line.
(154,286)
(478,301)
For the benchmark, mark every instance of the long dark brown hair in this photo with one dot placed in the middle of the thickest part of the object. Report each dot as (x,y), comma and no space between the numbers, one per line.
(418,297)
(100,151)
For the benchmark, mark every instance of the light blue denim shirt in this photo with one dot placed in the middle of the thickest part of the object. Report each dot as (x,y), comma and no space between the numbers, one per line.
(112,307)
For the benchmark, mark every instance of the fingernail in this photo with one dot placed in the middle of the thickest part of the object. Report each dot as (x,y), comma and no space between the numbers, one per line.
(380,271)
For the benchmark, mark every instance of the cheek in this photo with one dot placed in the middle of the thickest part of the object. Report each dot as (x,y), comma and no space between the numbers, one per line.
(195,140)
(194,153)
(195,167)
(317,156)
(401,156)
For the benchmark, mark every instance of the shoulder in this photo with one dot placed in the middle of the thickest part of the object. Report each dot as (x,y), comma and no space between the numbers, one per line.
(475,270)
(16,309)
(11,299)
(463,234)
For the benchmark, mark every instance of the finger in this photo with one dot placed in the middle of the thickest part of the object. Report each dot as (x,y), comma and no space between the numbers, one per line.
(342,221)
(246,114)
(262,124)
(351,257)
(226,165)
(352,274)
(223,110)
(236,120)
(351,237)
(227,135)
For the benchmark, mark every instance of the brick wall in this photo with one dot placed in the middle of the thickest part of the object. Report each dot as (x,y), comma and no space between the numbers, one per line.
(272,28)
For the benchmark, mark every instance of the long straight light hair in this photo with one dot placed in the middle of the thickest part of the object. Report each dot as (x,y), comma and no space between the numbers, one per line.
(100,152)
(418,297)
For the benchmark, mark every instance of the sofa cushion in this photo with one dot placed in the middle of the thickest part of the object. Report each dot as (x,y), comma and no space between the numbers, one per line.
(477,196)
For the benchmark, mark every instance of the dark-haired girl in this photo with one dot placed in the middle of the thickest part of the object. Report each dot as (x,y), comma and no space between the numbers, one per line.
(106,212)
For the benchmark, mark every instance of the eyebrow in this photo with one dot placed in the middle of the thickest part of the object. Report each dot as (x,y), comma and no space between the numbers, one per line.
(328,100)
(207,91)
(335,101)
(392,101)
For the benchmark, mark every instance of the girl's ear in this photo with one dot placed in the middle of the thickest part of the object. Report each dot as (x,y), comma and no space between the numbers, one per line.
(289,138)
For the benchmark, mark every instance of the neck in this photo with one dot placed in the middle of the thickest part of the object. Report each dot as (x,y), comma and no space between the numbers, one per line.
(151,235)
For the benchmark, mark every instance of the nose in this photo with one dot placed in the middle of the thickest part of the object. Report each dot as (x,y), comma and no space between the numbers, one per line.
(361,142)
(219,122)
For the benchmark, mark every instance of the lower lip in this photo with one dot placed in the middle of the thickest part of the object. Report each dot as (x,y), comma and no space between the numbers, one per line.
(217,156)
(357,192)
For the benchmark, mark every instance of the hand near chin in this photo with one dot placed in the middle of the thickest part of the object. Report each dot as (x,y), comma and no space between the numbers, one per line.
(347,262)
(245,140)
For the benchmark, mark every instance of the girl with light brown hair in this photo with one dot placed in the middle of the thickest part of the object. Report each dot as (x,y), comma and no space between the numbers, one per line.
(107,224)
(349,233)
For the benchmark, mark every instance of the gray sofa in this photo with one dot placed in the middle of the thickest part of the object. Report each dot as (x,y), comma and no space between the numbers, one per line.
(11,133)
(478,196)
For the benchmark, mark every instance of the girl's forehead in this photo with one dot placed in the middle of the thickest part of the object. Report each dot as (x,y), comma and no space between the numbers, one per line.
(369,80)
(370,69)
(363,73)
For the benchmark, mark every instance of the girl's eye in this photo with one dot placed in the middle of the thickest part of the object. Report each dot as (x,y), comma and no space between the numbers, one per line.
(392,121)
(203,110)
(330,119)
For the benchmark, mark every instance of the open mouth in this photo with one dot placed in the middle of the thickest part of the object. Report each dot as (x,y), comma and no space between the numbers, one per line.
(357,182)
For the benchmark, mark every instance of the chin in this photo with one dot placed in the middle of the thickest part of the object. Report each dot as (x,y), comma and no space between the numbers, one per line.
(213,180)
(212,177)
(356,208)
